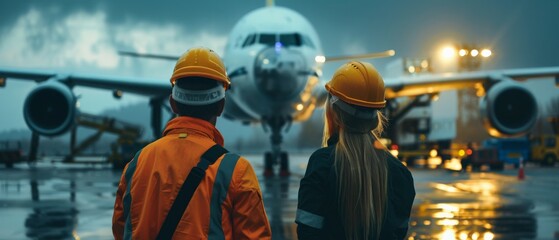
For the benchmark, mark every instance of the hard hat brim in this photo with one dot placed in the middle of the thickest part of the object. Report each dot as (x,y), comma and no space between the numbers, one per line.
(354,101)
(197,71)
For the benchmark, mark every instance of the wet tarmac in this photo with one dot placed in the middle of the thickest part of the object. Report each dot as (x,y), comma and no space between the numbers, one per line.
(57,201)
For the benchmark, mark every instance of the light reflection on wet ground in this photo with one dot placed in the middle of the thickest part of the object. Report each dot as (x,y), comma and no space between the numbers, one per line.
(473,221)
(75,202)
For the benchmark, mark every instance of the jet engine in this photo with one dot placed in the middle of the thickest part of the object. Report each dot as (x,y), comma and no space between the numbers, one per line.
(508,109)
(50,109)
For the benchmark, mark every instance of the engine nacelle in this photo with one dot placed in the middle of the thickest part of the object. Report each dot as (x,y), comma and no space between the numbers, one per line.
(508,109)
(50,109)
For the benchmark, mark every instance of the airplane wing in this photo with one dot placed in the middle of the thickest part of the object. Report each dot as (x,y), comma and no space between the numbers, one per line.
(387,53)
(141,86)
(434,83)
(149,55)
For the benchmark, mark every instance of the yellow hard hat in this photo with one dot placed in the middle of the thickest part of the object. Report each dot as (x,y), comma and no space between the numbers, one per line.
(200,62)
(358,83)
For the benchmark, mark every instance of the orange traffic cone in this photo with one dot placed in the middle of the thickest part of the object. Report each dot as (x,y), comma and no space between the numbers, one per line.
(520,170)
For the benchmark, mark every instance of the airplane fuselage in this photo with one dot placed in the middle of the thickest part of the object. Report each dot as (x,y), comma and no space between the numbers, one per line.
(270,58)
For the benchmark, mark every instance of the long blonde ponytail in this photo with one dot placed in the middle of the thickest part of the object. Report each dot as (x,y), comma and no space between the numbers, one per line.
(361,173)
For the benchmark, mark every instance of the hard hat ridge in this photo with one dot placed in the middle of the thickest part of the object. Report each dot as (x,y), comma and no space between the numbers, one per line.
(358,83)
(200,62)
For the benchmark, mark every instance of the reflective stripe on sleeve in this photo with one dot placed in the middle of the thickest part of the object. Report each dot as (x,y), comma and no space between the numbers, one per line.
(219,192)
(128,197)
(309,219)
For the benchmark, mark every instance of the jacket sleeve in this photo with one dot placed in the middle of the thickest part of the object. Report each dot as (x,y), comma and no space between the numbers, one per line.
(407,198)
(118,214)
(249,216)
(311,201)
(401,202)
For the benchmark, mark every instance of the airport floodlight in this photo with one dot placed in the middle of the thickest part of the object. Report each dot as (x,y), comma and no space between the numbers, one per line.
(471,57)
(474,52)
(485,53)
(448,53)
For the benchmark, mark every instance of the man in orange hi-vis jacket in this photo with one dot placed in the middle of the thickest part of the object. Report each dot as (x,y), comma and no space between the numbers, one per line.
(225,203)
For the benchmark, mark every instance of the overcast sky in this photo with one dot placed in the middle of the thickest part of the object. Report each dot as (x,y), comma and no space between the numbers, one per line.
(83,36)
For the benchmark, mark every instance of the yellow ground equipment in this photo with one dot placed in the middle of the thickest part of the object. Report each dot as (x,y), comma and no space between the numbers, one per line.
(545,148)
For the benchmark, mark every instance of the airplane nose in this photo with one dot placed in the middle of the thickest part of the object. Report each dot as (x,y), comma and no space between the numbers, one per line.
(280,73)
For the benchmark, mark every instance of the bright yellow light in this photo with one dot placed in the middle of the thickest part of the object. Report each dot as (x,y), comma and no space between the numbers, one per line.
(433,153)
(411,69)
(474,52)
(446,188)
(448,52)
(488,236)
(486,53)
(447,222)
(299,107)
(454,164)
(475,236)
(448,207)
(433,162)
(385,141)
(75,235)
(463,235)
(462,52)
(461,152)
(394,152)
(448,234)
(320,59)
(424,64)
(443,215)
(435,97)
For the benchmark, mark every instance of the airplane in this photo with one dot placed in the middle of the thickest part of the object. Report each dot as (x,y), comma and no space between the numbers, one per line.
(274,60)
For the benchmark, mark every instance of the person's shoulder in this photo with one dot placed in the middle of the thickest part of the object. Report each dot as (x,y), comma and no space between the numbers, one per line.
(240,159)
(242,164)
(400,178)
(321,157)
(397,169)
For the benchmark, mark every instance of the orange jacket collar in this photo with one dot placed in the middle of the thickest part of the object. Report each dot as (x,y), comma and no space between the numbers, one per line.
(193,126)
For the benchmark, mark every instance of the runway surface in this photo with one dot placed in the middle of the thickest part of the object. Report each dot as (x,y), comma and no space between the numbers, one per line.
(58,201)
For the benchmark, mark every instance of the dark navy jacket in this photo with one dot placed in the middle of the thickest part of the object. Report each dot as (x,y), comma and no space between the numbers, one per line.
(317,211)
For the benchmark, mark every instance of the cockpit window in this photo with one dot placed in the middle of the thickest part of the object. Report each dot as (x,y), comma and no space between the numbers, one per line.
(286,40)
(249,40)
(307,41)
(267,39)
(291,39)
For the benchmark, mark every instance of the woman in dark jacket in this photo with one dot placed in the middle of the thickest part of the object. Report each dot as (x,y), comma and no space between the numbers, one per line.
(353,187)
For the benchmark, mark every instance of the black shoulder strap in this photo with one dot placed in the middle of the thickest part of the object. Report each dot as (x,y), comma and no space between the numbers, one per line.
(187,190)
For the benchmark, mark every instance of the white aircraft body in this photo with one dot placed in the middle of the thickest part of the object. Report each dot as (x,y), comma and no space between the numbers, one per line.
(274,60)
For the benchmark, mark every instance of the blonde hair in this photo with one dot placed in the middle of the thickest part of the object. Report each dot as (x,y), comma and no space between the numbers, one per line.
(361,173)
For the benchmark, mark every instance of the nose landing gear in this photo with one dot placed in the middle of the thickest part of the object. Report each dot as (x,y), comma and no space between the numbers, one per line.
(272,158)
